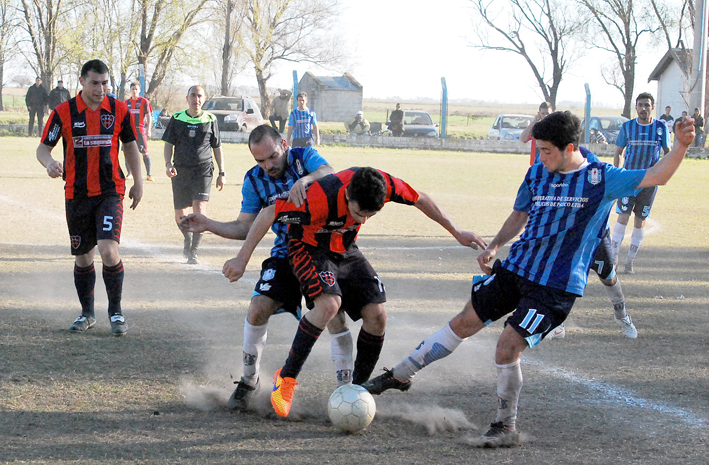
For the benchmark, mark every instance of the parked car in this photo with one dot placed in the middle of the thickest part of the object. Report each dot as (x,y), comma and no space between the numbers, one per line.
(606,125)
(509,127)
(234,113)
(418,124)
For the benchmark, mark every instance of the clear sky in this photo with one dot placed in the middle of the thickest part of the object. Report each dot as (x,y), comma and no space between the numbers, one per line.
(434,42)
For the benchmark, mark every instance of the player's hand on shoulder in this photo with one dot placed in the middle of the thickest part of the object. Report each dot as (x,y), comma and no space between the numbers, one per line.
(470,239)
(297,194)
(234,269)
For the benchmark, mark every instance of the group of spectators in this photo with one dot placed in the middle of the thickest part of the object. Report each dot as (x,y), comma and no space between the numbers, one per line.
(37,99)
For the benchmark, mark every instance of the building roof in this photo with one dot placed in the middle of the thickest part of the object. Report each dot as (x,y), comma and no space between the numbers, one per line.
(344,82)
(682,56)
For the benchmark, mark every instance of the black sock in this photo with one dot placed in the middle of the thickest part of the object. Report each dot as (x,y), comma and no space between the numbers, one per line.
(196,238)
(113,279)
(303,343)
(146,160)
(369,347)
(85,281)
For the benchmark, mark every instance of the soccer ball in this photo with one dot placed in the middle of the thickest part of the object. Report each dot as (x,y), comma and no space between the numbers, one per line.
(351,408)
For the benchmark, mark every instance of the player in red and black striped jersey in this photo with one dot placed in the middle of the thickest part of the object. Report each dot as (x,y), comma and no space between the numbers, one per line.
(333,273)
(91,127)
(142,113)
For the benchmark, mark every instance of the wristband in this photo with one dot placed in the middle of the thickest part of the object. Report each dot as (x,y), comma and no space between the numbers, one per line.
(222,173)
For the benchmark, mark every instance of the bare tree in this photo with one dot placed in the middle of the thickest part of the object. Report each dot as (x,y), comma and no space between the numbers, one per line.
(620,25)
(8,24)
(289,30)
(42,20)
(672,20)
(163,23)
(540,31)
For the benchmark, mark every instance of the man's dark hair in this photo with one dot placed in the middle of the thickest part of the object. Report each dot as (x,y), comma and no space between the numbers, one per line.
(561,128)
(97,66)
(367,188)
(261,132)
(135,84)
(543,106)
(646,95)
(302,94)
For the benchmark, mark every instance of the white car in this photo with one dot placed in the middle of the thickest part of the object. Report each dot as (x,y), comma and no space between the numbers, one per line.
(509,127)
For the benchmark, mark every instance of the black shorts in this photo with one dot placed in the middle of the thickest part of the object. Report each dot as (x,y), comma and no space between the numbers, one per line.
(641,204)
(278,282)
(91,219)
(350,276)
(191,183)
(303,142)
(537,309)
(142,143)
(603,260)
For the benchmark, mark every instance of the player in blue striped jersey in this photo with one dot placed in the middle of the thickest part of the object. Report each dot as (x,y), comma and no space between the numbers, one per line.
(642,139)
(281,172)
(303,124)
(561,209)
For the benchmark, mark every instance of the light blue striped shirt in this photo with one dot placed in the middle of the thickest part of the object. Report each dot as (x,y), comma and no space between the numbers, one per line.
(642,143)
(302,122)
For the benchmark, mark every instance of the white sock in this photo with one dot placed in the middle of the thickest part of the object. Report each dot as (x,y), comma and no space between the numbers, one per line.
(254,342)
(617,240)
(615,294)
(435,347)
(341,348)
(509,385)
(636,238)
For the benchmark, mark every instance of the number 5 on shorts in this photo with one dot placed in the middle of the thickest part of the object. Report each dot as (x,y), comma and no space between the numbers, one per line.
(107,223)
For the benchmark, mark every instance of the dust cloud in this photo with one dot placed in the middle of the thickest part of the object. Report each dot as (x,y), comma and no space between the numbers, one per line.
(433,418)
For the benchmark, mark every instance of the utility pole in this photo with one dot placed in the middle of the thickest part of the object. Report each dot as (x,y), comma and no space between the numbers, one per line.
(698,77)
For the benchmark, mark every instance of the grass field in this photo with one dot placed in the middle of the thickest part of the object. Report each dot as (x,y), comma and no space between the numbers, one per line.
(157,395)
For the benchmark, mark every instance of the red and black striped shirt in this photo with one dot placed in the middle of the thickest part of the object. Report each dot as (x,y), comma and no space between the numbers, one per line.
(91,145)
(139,108)
(324,220)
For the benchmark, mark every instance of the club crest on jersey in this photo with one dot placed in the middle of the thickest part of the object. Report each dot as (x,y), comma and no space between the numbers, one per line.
(107,121)
(328,277)
(75,241)
(268,274)
(594,176)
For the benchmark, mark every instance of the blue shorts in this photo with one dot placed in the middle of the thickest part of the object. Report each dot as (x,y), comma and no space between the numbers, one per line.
(278,283)
(536,309)
(603,260)
(641,204)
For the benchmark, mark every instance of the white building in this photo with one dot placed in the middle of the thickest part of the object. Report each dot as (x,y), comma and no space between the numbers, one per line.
(672,74)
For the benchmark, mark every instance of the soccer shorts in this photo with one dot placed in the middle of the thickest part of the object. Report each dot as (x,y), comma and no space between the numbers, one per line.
(142,143)
(278,282)
(536,309)
(603,262)
(303,142)
(91,219)
(350,276)
(640,204)
(191,183)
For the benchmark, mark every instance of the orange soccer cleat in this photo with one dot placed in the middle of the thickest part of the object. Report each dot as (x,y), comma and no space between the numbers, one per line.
(282,393)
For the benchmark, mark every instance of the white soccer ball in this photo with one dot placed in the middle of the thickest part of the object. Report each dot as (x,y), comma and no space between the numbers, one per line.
(351,408)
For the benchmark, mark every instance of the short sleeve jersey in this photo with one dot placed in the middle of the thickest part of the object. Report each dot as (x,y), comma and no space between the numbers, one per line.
(302,122)
(260,190)
(642,143)
(140,108)
(193,137)
(324,220)
(568,214)
(91,145)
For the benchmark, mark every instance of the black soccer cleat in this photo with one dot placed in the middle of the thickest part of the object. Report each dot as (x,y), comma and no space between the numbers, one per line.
(82,324)
(499,435)
(242,395)
(385,382)
(119,327)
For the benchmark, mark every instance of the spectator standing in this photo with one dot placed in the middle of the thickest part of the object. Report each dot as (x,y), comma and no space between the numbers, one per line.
(544,109)
(192,136)
(280,109)
(142,113)
(109,91)
(396,121)
(59,94)
(667,118)
(36,99)
(698,128)
(92,126)
(303,124)
(357,125)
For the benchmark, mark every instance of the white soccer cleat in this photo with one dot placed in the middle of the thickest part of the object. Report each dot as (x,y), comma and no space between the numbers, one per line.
(557,333)
(627,327)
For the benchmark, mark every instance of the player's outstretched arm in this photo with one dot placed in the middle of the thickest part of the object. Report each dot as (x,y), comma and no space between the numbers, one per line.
(512,227)
(431,209)
(237,229)
(663,170)
(44,156)
(133,160)
(234,269)
(297,193)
